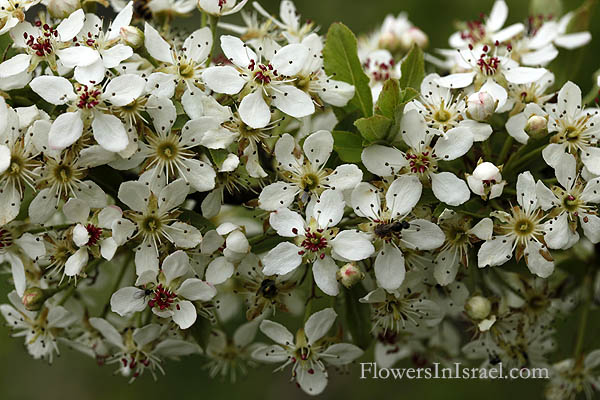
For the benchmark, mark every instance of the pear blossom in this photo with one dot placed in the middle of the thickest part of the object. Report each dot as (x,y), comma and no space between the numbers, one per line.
(390,228)
(20,251)
(380,66)
(309,353)
(306,176)
(573,200)
(154,220)
(88,106)
(230,240)
(575,130)
(521,230)
(170,296)
(317,241)
(289,21)
(221,7)
(261,81)
(422,157)
(13,12)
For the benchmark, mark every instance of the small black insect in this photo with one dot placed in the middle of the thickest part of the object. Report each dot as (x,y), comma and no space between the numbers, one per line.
(392,228)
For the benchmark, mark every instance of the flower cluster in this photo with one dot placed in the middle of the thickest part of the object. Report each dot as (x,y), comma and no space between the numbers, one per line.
(155,186)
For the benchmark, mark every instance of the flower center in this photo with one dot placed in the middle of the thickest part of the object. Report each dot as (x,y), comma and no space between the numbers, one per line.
(41,45)
(309,182)
(442,115)
(63,173)
(163,298)
(187,70)
(313,242)
(168,151)
(88,97)
(94,232)
(380,70)
(151,224)
(488,64)
(263,74)
(474,32)
(420,162)
(524,227)
(268,289)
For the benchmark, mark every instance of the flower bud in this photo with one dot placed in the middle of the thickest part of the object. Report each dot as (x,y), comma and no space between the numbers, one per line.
(132,36)
(62,8)
(480,106)
(536,126)
(414,35)
(478,307)
(349,275)
(33,298)
(486,180)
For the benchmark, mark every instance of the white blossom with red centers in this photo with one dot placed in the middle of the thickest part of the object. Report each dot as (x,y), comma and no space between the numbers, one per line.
(380,66)
(88,106)
(309,352)
(316,241)
(171,295)
(263,81)
(521,231)
(390,228)
(575,130)
(90,233)
(306,174)
(422,158)
(574,201)
(39,42)
(12,12)
(94,51)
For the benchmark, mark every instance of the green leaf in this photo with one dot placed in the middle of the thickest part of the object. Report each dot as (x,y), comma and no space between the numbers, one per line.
(413,69)
(389,98)
(374,128)
(357,316)
(348,145)
(180,122)
(406,95)
(218,156)
(340,58)
(196,220)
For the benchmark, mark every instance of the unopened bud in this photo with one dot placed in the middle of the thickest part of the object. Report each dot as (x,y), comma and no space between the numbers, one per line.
(414,36)
(480,106)
(478,307)
(486,180)
(132,36)
(349,275)
(537,126)
(33,298)
(62,8)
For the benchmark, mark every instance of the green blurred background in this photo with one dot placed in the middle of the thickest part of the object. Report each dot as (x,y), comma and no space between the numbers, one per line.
(74,376)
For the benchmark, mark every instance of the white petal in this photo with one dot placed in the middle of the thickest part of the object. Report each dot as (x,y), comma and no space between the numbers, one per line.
(75,56)
(536,263)
(276,332)
(219,270)
(223,79)
(403,195)
(389,267)
(591,227)
(521,75)
(366,201)
(198,45)
(290,59)
(127,300)
(329,209)
(383,160)
(287,223)
(457,81)
(282,259)
(293,101)
(344,177)
(70,26)
(590,156)
(124,89)
(495,252)
(65,130)
(114,56)
(54,89)
(16,65)
(526,191)
(312,383)
(196,290)
(317,148)
(413,129)
(254,111)
(157,46)
(324,271)
(175,265)
(448,188)
(135,195)
(236,51)
(573,40)
(497,16)
(76,262)
(277,195)
(423,235)
(200,175)
(318,324)
(184,314)
(109,132)
(352,245)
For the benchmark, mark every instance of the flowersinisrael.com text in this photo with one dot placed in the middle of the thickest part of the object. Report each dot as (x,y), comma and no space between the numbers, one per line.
(371,370)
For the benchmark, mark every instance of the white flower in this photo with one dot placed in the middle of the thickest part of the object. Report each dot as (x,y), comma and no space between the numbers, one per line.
(460,236)
(421,158)
(309,352)
(488,31)
(89,234)
(40,42)
(169,155)
(262,82)
(486,181)
(289,21)
(221,7)
(572,200)
(316,241)
(95,51)
(523,229)
(571,377)
(577,130)
(390,229)
(443,111)
(20,251)
(489,72)
(480,105)
(518,125)
(306,176)
(12,12)
(153,214)
(380,66)
(186,65)
(141,349)
(170,296)
(40,329)
(88,106)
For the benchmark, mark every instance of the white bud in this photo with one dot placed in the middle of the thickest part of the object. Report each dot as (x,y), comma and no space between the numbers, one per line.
(486,180)
(230,163)
(132,36)
(62,8)
(480,106)
(478,307)
(414,35)
(350,274)
(81,235)
(536,126)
